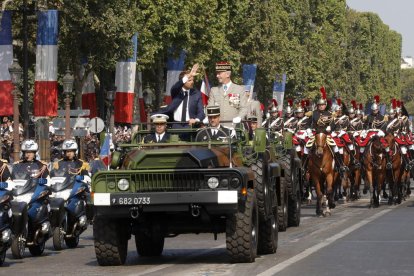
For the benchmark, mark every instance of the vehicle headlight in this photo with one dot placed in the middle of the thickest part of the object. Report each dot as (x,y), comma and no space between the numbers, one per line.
(123,184)
(213,182)
(6,235)
(235,182)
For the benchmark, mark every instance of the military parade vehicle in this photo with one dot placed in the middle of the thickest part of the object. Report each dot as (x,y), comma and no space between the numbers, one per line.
(192,185)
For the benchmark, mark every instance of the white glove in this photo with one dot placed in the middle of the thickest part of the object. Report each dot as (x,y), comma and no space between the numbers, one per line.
(205,121)
(328,128)
(380,133)
(309,132)
(236,120)
(267,115)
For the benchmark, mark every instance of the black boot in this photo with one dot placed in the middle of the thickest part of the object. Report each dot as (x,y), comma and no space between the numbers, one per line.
(340,163)
(389,163)
(355,161)
(407,162)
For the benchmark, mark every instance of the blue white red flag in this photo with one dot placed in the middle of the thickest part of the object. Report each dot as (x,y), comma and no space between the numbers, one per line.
(249,77)
(125,84)
(45,95)
(88,92)
(205,90)
(6,59)
(174,67)
(279,90)
(105,154)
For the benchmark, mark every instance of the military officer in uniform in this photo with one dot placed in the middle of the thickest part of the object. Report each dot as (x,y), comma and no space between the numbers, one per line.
(229,96)
(375,120)
(214,131)
(160,135)
(29,150)
(70,150)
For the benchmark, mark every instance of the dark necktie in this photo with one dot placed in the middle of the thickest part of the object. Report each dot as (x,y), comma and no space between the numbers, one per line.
(158,138)
(184,110)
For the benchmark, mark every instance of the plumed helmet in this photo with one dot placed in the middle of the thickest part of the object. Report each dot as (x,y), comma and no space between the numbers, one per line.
(322,100)
(398,109)
(273,106)
(69,145)
(289,109)
(300,107)
(375,105)
(353,107)
(29,145)
(339,105)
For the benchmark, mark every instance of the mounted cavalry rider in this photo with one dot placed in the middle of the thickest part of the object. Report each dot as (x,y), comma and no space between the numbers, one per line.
(301,136)
(322,121)
(274,123)
(403,137)
(290,120)
(355,124)
(340,134)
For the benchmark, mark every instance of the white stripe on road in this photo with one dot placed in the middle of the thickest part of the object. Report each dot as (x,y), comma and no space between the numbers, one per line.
(164,266)
(279,267)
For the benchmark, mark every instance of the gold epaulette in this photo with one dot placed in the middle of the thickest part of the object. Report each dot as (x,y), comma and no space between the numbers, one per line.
(4,161)
(309,113)
(56,165)
(334,115)
(386,118)
(85,165)
(364,118)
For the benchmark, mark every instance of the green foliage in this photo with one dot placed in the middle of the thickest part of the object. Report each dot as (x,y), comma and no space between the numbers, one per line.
(317,43)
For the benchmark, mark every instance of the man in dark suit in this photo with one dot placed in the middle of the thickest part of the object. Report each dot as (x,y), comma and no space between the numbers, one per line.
(160,135)
(215,131)
(186,107)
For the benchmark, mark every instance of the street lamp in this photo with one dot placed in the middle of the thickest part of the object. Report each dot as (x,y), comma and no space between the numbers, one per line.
(16,75)
(67,90)
(110,97)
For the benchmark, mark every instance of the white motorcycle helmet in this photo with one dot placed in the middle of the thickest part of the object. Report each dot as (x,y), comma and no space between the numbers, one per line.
(70,144)
(29,145)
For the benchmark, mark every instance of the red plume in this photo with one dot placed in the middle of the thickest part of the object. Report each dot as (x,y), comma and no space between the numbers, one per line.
(274,102)
(377,99)
(360,106)
(338,101)
(307,102)
(290,102)
(323,92)
(303,103)
(354,104)
(329,102)
(398,104)
(394,103)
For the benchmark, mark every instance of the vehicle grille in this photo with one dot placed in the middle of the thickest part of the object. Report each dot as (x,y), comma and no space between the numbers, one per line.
(163,182)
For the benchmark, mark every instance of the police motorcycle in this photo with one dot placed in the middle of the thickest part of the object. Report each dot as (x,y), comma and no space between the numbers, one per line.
(32,202)
(73,190)
(70,184)
(6,220)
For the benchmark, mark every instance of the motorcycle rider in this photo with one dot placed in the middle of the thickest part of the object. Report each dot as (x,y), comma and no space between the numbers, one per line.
(70,150)
(29,150)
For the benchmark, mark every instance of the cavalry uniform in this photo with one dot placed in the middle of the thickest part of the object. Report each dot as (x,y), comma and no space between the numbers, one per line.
(302,134)
(290,124)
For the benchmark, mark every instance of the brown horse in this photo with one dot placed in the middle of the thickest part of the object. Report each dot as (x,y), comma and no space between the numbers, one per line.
(356,174)
(374,164)
(395,174)
(321,168)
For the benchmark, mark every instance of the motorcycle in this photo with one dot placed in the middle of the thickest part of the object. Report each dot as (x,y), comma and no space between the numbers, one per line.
(6,219)
(74,190)
(33,192)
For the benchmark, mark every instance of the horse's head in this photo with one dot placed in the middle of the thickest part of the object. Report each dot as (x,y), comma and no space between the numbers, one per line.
(390,139)
(320,143)
(377,147)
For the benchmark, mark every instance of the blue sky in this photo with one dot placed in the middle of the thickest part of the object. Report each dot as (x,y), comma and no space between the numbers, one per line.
(398,14)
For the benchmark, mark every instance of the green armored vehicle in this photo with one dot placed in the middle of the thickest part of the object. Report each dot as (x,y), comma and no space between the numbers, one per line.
(161,190)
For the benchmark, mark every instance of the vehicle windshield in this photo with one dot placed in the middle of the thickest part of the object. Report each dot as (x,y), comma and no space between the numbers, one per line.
(25,171)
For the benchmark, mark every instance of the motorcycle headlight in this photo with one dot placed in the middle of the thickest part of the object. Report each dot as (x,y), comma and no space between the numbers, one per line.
(213,182)
(5,236)
(123,184)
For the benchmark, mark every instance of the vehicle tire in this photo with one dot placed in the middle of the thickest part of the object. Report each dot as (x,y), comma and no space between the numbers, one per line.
(18,245)
(282,210)
(110,240)
(294,208)
(268,235)
(150,243)
(260,188)
(72,242)
(242,230)
(2,256)
(37,250)
(59,236)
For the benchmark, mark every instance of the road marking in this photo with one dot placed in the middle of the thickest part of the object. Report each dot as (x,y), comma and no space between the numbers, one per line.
(164,266)
(279,267)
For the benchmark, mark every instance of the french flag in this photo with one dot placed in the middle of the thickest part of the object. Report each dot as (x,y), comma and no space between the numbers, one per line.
(249,77)
(46,86)
(205,90)
(88,93)
(125,83)
(6,59)
(174,67)
(105,153)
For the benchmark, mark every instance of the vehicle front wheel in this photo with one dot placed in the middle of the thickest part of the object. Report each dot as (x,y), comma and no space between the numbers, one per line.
(37,250)
(72,242)
(18,246)
(150,242)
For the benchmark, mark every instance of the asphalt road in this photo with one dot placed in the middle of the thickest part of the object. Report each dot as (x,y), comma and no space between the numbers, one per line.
(355,240)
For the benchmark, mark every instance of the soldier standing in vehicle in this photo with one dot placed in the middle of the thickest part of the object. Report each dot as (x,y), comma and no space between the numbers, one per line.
(70,150)
(29,150)
(160,135)
(214,131)
(229,96)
